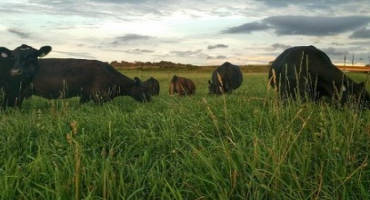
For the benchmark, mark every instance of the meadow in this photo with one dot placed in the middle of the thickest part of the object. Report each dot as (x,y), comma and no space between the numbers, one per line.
(246,145)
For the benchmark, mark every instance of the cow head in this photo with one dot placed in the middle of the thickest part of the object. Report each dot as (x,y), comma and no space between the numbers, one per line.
(356,91)
(360,90)
(6,60)
(152,85)
(213,88)
(139,92)
(26,61)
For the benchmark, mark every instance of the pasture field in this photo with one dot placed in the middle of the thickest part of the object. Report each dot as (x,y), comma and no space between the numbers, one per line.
(245,145)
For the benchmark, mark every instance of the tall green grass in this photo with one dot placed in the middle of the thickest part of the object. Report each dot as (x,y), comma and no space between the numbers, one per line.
(246,145)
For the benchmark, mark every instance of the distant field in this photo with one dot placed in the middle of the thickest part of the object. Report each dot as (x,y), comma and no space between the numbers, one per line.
(244,68)
(355,68)
(245,145)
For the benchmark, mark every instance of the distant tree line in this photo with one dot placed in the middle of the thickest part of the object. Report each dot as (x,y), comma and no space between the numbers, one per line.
(139,64)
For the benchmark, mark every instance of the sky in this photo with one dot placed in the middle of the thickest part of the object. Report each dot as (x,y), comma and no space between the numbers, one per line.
(200,32)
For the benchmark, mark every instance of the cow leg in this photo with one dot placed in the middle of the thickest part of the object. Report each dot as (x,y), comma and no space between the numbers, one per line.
(4,103)
(323,89)
(11,101)
(84,99)
(19,101)
(227,87)
(100,98)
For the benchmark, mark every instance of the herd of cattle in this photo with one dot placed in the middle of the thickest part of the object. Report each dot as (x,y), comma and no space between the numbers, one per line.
(299,72)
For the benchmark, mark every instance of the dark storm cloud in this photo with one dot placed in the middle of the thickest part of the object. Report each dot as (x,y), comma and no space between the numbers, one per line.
(361,34)
(217,46)
(304,25)
(19,33)
(317,26)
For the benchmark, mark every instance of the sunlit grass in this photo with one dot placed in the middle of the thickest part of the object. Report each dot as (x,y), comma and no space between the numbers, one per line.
(246,145)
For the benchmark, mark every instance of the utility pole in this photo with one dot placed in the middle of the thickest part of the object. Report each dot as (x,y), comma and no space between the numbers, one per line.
(353,59)
(345,59)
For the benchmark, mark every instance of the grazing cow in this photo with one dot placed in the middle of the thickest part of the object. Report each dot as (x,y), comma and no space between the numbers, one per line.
(18,68)
(308,72)
(88,79)
(153,86)
(181,86)
(225,79)
(6,62)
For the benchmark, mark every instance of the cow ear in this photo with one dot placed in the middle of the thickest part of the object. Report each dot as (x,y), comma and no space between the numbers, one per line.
(4,52)
(137,81)
(44,51)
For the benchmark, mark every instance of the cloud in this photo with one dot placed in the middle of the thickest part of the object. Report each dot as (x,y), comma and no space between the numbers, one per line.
(337,43)
(19,33)
(248,28)
(357,43)
(318,4)
(335,52)
(129,38)
(304,25)
(278,46)
(76,54)
(317,26)
(361,34)
(125,10)
(218,46)
(185,26)
(138,51)
(125,1)
(68,8)
(186,53)
(216,57)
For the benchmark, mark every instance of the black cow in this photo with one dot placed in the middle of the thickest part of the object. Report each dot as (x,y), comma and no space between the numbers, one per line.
(18,68)
(225,79)
(307,72)
(88,79)
(6,62)
(153,86)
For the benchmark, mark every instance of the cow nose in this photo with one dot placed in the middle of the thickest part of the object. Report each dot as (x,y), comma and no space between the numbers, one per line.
(16,72)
